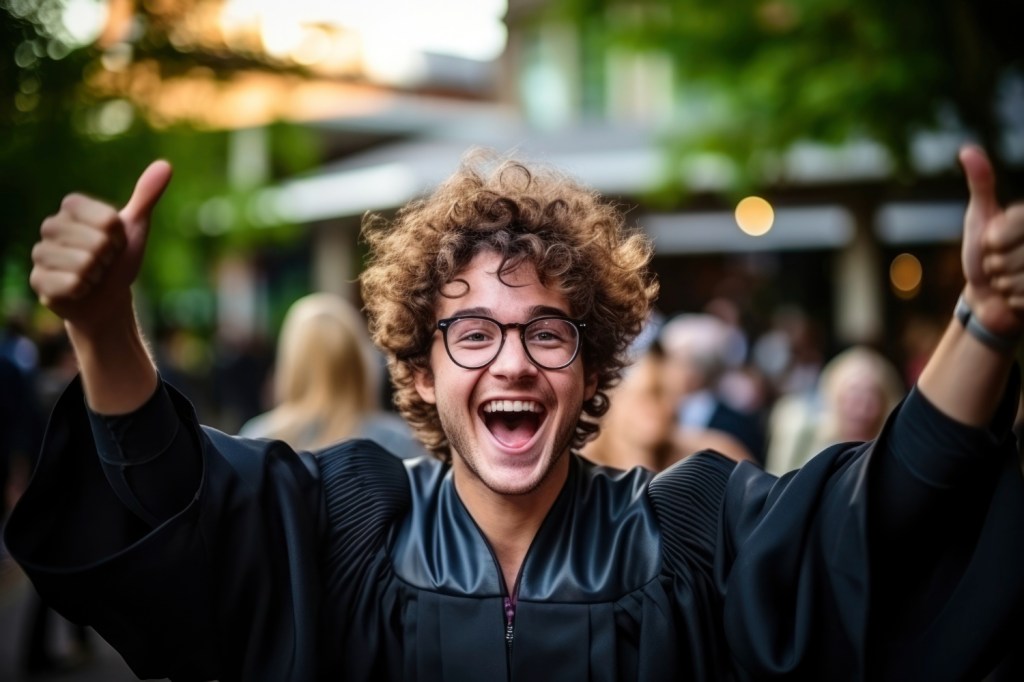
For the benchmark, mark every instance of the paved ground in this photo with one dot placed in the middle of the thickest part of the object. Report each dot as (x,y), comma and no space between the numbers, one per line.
(16,601)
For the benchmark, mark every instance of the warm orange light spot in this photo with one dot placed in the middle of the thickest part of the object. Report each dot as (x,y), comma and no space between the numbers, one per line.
(905,275)
(755,216)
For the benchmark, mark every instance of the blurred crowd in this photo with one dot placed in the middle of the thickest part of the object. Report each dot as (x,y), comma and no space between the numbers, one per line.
(701,380)
(695,380)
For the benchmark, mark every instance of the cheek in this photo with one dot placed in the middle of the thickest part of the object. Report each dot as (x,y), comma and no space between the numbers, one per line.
(449,388)
(575,394)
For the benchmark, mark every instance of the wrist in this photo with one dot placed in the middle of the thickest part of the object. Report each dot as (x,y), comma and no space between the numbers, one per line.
(110,335)
(114,362)
(997,340)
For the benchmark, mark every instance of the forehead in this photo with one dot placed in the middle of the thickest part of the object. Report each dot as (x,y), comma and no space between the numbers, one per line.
(515,296)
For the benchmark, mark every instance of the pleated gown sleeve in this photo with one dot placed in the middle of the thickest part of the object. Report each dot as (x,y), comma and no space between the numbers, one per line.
(226,586)
(899,559)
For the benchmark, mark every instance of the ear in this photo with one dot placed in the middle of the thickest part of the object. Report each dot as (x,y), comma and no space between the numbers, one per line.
(423,379)
(590,387)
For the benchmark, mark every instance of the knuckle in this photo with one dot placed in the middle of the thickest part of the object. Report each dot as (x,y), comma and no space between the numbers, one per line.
(84,266)
(1015,213)
(49,286)
(71,201)
(70,285)
(80,208)
(35,280)
(50,226)
(76,204)
(997,238)
(108,220)
(103,216)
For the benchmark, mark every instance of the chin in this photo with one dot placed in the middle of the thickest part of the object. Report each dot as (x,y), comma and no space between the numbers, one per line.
(516,480)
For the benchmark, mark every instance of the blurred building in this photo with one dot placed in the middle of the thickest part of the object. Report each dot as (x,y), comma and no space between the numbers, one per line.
(395,113)
(840,222)
(363,77)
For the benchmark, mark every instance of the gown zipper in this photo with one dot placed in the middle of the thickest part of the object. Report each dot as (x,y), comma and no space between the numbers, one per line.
(510,624)
(510,615)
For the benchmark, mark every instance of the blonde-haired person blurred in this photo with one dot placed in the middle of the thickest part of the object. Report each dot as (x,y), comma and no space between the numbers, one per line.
(327,382)
(857,389)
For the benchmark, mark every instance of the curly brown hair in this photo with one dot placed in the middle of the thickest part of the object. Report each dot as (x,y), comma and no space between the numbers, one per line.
(577,242)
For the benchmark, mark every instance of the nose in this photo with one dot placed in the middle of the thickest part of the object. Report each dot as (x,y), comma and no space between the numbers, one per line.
(512,360)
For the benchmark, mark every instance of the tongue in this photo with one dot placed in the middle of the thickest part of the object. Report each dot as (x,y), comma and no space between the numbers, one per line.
(513,430)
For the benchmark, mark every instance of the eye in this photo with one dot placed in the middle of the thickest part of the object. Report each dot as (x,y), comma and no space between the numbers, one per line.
(550,333)
(472,332)
(544,336)
(471,337)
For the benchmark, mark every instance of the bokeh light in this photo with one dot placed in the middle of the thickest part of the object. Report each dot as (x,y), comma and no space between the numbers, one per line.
(755,216)
(905,275)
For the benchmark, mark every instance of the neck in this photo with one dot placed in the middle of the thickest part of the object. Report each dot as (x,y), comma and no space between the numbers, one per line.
(509,522)
(620,453)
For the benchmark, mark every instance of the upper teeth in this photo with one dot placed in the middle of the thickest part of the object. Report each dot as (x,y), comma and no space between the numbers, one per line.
(511,406)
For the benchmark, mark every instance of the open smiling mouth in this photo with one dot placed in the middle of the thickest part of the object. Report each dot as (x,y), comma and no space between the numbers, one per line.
(513,422)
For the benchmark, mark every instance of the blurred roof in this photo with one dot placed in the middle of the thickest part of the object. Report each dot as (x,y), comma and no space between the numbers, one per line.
(620,161)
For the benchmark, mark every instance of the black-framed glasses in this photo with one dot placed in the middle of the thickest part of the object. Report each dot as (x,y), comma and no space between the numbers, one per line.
(474,341)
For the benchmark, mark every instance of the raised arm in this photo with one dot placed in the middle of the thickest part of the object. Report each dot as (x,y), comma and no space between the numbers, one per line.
(966,375)
(189,551)
(88,255)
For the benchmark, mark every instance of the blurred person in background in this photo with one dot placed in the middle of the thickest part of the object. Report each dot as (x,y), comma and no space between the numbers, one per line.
(696,346)
(240,367)
(640,427)
(506,300)
(21,422)
(327,382)
(58,367)
(185,359)
(21,413)
(856,391)
(21,430)
(742,385)
(16,343)
(790,354)
(26,396)
(920,336)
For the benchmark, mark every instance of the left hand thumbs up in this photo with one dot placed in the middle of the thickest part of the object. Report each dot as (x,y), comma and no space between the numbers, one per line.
(993,249)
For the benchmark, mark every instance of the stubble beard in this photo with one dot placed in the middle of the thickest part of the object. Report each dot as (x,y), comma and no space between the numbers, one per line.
(461,445)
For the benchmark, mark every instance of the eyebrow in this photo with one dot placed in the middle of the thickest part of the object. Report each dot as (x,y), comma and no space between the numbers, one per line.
(534,312)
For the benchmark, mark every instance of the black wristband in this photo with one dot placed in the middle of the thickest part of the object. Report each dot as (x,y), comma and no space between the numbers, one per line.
(979,331)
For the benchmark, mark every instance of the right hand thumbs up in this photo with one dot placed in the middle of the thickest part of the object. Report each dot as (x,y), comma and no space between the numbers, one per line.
(148,189)
(89,253)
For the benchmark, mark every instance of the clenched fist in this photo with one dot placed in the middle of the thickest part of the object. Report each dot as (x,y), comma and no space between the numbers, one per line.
(89,252)
(993,250)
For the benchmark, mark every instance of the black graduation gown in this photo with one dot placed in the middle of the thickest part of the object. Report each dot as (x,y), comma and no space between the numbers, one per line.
(358,566)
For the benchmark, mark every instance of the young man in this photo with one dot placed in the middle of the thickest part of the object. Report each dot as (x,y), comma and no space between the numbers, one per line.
(504,302)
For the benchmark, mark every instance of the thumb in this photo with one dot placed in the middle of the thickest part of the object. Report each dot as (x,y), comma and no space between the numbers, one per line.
(981,182)
(148,190)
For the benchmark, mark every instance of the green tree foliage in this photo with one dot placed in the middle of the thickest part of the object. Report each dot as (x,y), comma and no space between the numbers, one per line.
(758,75)
(57,135)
